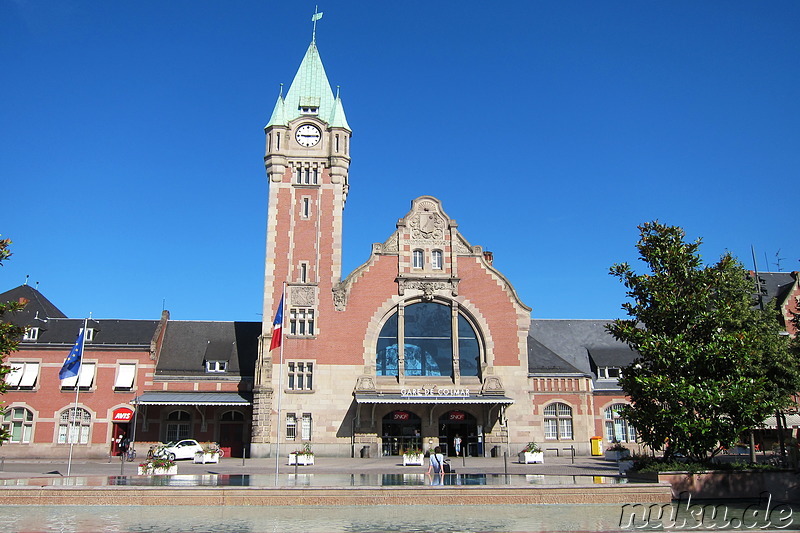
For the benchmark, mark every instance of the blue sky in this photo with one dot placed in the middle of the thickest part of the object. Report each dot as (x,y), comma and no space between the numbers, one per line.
(131,157)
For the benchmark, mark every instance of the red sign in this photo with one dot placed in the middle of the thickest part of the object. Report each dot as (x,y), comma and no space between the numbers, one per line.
(400,415)
(457,415)
(123,414)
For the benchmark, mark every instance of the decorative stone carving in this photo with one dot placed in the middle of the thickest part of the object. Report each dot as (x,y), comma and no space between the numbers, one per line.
(365,384)
(340,293)
(460,246)
(492,385)
(302,296)
(428,287)
(427,226)
(390,246)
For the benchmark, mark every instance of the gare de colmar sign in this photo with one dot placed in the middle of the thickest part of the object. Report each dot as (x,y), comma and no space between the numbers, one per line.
(434,392)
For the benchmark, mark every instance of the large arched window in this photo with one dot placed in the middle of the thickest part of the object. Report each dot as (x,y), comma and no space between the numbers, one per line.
(617,428)
(75,422)
(558,421)
(18,422)
(178,425)
(427,343)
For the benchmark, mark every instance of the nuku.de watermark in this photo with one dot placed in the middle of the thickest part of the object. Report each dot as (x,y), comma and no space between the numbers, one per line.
(685,515)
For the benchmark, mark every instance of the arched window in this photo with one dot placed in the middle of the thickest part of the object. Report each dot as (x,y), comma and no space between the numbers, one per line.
(617,428)
(178,425)
(18,422)
(418,259)
(427,343)
(75,422)
(232,416)
(558,421)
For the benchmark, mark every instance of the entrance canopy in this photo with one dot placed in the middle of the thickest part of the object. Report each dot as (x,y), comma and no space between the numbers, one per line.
(193,398)
(433,399)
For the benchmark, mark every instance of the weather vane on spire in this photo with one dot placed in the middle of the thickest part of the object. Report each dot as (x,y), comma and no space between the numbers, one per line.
(314,18)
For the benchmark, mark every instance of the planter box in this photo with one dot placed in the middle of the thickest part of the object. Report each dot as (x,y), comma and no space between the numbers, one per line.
(781,484)
(203,458)
(158,471)
(624,465)
(531,457)
(302,459)
(616,455)
(413,460)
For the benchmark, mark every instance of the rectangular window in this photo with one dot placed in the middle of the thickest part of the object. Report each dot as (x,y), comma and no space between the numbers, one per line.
(84,379)
(301,321)
(291,426)
(126,372)
(300,375)
(23,375)
(417,259)
(436,260)
(305,430)
(305,207)
(303,272)
(31,334)
(316,175)
(217,367)
(550,429)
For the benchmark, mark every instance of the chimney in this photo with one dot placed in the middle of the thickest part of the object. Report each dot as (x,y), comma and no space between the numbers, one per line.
(488,257)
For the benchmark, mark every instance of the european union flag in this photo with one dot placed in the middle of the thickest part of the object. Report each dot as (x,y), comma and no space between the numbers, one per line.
(72,364)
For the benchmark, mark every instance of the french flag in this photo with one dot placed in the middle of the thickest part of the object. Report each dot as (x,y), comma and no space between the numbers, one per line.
(277,328)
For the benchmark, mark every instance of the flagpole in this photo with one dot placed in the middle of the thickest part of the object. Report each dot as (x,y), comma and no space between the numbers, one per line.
(77,391)
(280,389)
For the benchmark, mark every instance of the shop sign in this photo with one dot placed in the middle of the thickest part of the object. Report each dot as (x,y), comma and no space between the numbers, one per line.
(123,414)
(435,392)
(401,415)
(457,415)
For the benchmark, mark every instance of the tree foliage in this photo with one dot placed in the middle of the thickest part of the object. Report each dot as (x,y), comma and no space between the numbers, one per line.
(710,364)
(9,333)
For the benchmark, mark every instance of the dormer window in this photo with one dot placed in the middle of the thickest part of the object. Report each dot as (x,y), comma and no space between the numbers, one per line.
(309,110)
(31,334)
(609,372)
(216,367)
(89,334)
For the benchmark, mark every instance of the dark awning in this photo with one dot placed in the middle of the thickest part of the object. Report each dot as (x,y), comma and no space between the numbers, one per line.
(434,399)
(193,398)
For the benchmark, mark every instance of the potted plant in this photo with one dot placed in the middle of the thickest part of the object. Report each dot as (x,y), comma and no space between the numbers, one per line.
(210,454)
(412,456)
(158,466)
(532,453)
(617,452)
(303,456)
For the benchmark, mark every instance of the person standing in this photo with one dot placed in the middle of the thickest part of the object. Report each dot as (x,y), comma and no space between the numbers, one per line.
(457,444)
(436,465)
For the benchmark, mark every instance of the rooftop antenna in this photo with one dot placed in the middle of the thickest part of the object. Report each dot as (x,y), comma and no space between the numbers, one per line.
(314,18)
(778,259)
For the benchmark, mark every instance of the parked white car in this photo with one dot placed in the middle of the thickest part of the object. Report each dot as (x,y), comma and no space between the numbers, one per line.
(182,449)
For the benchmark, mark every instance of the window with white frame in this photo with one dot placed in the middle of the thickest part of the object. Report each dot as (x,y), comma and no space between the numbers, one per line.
(126,374)
(417,259)
(84,379)
(216,367)
(306,175)
(301,321)
(89,334)
(617,428)
(300,375)
(23,375)
(305,207)
(303,272)
(305,427)
(436,259)
(558,421)
(31,334)
(18,422)
(609,372)
(74,426)
(291,426)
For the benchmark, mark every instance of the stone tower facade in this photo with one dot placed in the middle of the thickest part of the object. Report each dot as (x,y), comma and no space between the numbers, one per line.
(307,160)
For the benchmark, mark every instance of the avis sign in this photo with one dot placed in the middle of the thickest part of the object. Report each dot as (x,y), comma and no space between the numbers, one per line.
(123,414)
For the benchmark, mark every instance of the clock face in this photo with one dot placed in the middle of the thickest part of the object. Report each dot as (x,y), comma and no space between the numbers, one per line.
(307,135)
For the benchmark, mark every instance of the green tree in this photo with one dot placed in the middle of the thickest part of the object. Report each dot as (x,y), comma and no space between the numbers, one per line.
(9,333)
(710,364)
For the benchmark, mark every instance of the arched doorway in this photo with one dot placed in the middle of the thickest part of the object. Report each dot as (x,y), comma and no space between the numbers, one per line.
(231,433)
(463,425)
(400,431)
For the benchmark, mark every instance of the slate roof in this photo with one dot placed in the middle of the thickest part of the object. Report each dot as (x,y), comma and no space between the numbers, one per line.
(37,306)
(107,332)
(776,285)
(188,345)
(572,341)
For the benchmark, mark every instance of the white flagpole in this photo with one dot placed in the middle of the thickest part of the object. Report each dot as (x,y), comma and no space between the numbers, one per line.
(280,388)
(77,391)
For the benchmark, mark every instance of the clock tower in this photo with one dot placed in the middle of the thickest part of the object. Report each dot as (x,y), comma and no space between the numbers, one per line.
(307,160)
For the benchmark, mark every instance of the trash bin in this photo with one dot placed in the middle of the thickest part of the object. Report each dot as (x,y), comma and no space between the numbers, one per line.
(597,445)
(365,452)
(496,452)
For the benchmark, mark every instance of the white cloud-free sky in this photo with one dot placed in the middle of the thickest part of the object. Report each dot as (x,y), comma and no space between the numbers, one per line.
(131,153)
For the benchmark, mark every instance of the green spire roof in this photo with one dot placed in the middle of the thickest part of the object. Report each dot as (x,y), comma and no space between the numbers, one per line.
(310,88)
